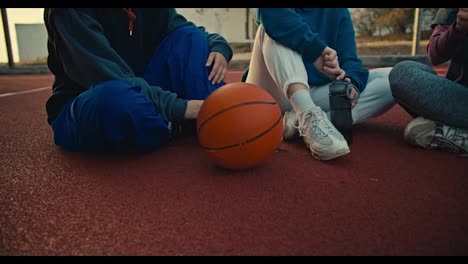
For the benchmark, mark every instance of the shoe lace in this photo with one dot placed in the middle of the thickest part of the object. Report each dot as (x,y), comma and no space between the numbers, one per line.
(318,121)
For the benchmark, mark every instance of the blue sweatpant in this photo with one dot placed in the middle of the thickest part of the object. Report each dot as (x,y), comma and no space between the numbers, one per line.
(116,116)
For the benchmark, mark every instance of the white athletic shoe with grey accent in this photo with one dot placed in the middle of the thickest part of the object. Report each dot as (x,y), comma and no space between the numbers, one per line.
(320,135)
(423,132)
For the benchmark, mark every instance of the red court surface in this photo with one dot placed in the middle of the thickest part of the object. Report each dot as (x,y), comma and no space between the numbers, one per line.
(384,198)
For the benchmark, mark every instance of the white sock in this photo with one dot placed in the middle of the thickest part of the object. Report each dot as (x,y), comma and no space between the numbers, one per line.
(301,101)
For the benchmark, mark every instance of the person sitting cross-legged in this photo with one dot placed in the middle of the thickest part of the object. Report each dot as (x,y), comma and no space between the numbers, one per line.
(438,104)
(296,55)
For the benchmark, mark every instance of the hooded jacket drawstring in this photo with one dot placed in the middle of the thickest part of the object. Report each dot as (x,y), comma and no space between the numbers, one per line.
(131,19)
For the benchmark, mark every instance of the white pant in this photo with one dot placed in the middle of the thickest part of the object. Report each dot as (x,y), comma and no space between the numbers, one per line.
(274,67)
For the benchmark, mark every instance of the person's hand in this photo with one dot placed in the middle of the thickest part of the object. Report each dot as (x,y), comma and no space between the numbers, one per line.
(319,63)
(219,62)
(193,108)
(337,74)
(353,93)
(462,20)
(328,63)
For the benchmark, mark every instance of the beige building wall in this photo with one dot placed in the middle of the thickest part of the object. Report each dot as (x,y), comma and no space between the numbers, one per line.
(18,16)
(229,22)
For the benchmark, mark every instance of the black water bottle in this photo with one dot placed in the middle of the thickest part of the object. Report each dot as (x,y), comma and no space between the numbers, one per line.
(340,108)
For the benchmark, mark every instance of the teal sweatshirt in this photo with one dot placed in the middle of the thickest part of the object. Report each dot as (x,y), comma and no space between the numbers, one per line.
(91,45)
(308,31)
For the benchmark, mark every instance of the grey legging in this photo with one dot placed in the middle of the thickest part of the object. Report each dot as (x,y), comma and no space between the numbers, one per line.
(421,92)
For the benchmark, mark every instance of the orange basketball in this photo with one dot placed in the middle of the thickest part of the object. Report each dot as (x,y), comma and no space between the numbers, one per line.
(239,125)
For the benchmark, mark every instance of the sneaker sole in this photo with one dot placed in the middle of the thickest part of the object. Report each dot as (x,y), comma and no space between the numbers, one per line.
(330,156)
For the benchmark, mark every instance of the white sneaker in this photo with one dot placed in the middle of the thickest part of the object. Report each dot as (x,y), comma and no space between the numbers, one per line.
(290,125)
(428,134)
(320,135)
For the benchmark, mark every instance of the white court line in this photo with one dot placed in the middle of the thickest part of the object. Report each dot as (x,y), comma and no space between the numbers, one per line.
(27,91)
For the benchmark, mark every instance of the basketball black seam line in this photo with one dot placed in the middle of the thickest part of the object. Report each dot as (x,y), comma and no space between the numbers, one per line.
(247,141)
(232,107)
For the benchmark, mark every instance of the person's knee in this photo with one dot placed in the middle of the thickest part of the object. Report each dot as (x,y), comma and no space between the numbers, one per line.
(402,71)
(115,98)
(404,66)
(191,35)
(399,74)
